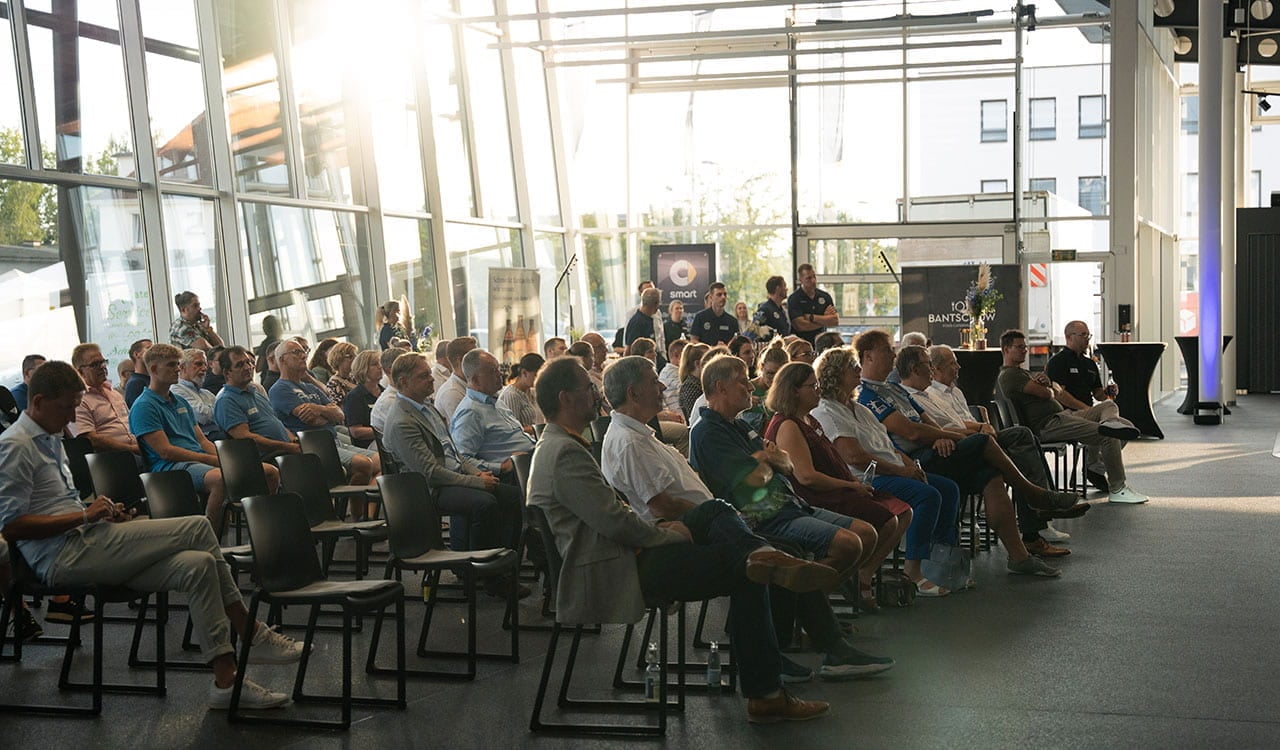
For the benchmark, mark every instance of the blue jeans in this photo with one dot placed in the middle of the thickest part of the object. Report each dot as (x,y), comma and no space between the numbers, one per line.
(934,507)
(811,528)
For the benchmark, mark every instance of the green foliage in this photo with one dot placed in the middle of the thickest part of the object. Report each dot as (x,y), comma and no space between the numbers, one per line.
(28,210)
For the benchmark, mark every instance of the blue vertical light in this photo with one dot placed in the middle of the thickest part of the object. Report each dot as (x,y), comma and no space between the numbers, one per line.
(1210,271)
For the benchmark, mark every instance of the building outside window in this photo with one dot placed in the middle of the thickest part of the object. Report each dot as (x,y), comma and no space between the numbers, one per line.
(995,186)
(1093,195)
(1191,114)
(995,121)
(1044,184)
(1044,119)
(1093,116)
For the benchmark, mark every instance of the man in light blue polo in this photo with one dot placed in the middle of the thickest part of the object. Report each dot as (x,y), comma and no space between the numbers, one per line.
(241,410)
(483,430)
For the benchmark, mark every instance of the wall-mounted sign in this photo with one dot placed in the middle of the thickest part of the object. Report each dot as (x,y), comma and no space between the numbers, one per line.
(684,273)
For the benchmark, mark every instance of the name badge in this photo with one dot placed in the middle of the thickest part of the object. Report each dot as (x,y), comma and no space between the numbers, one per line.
(724,328)
(1075,370)
(182,410)
(253,410)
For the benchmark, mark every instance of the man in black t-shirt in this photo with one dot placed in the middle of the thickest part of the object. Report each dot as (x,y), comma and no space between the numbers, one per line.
(810,309)
(1075,370)
(773,312)
(713,325)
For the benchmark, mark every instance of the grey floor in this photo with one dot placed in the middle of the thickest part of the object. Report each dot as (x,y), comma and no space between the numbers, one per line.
(1159,634)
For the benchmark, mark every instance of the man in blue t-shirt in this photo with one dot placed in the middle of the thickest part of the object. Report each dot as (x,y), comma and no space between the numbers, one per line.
(243,412)
(713,325)
(29,365)
(303,405)
(811,310)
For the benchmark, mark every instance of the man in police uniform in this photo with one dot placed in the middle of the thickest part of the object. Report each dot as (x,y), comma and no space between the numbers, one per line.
(713,325)
(771,312)
(810,308)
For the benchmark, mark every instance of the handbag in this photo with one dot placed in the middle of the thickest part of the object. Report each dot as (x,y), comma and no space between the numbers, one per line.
(948,566)
(895,590)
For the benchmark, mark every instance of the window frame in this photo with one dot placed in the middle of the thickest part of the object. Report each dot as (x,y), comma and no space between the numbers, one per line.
(1091,130)
(992,135)
(1049,133)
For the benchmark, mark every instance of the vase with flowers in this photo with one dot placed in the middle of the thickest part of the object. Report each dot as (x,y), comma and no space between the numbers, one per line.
(980,303)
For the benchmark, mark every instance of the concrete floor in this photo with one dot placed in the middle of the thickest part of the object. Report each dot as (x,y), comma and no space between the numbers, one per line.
(1158,634)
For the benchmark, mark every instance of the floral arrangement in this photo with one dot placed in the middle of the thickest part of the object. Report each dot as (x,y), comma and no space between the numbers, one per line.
(983,295)
(425,344)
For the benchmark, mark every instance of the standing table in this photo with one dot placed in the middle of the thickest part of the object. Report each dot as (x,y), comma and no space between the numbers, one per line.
(1190,348)
(1132,364)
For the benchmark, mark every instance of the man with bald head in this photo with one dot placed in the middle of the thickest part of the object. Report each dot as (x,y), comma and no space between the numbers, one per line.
(485,431)
(455,388)
(600,352)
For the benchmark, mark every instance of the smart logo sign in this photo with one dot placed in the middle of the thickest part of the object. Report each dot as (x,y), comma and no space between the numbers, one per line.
(684,273)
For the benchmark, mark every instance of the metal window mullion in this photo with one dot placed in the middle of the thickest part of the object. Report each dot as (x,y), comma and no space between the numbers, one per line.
(226,218)
(158,276)
(462,81)
(560,160)
(515,135)
(290,117)
(366,166)
(26,82)
(446,326)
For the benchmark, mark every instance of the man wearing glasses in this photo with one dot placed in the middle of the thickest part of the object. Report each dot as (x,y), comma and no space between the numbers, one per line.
(102,415)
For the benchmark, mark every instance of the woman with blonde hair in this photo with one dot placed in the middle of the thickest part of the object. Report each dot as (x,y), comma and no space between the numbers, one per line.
(366,371)
(387,321)
(822,478)
(800,350)
(340,357)
(860,440)
(691,376)
(676,327)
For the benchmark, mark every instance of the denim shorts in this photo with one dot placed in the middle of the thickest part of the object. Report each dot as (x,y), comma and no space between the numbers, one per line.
(812,528)
(197,471)
(347,452)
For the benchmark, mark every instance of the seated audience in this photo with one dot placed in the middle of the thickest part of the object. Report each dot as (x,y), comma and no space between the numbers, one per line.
(440,371)
(484,431)
(643,347)
(823,479)
(244,412)
(912,338)
(319,364)
(606,580)
(138,379)
(357,408)
(19,391)
(69,544)
(101,416)
(124,368)
(387,399)
(744,349)
(192,329)
(600,355)
(191,372)
(554,347)
(800,350)
(455,388)
(518,393)
(341,358)
(691,377)
(213,378)
(861,440)
(827,340)
(669,375)
(271,374)
(484,512)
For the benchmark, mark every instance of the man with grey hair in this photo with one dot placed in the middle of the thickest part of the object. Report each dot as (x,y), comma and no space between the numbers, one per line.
(913,338)
(485,431)
(455,388)
(647,322)
(192,367)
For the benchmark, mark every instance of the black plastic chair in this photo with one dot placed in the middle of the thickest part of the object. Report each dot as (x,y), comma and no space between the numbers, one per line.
(242,476)
(289,573)
(115,475)
(303,474)
(321,443)
(1067,456)
(76,449)
(172,494)
(538,521)
(413,524)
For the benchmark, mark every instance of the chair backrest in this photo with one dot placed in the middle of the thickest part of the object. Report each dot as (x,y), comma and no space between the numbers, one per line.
(302,474)
(171,494)
(538,522)
(115,474)
(538,429)
(242,471)
(1009,416)
(284,552)
(320,443)
(76,449)
(523,464)
(413,520)
(385,459)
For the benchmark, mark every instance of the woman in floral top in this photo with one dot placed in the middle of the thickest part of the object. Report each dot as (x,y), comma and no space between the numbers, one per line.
(341,357)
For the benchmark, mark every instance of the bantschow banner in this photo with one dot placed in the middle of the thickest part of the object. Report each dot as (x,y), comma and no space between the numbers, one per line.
(683,272)
(933,300)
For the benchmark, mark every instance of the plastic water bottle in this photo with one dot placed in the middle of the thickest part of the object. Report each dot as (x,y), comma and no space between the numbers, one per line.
(713,667)
(652,675)
(869,475)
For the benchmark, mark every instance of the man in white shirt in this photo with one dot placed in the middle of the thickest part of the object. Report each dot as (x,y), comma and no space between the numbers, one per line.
(192,368)
(441,370)
(670,376)
(455,388)
(387,399)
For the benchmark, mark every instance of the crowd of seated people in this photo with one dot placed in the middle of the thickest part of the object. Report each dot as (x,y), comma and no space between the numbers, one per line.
(738,459)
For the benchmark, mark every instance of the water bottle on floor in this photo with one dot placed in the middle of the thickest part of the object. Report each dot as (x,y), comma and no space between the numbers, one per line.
(652,675)
(713,667)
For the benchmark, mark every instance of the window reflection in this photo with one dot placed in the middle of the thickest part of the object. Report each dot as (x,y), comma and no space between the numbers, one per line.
(175,83)
(324,89)
(108,240)
(190,250)
(251,78)
(11,130)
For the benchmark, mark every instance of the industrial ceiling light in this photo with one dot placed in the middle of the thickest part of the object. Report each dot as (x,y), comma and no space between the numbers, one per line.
(1263,104)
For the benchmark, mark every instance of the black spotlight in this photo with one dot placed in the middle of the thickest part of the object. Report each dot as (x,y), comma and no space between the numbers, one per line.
(1263,104)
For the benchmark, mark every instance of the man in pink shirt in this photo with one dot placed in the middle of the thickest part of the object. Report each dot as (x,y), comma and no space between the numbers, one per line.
(102,415)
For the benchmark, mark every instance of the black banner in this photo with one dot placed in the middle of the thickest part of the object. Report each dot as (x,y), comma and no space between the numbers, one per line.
(683,272)
(933,301)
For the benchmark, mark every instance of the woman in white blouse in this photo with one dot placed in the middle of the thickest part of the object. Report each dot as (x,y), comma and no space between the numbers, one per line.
(860,439)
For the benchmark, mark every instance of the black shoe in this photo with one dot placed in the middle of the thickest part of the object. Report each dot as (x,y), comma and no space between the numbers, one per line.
(1118,430)
(1075,511)
(25,625)
(500,587)
(1098,479)
(67,612)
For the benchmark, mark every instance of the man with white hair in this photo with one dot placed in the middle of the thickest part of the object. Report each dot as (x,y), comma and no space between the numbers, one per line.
(913,338)
(192,368)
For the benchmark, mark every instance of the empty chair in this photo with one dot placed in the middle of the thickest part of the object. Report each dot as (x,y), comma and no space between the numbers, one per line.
(320,443)
(76,449)
(243,476)
(303,475)
(289,574)
(115,475)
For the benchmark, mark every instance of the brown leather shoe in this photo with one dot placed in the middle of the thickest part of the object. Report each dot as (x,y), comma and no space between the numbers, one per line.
(771,566)
(784,707)
(1042,548)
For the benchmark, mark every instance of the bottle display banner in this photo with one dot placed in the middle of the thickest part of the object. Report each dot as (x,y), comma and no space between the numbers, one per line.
(515,313)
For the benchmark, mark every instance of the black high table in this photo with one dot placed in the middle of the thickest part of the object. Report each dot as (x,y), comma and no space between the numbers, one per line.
(1132,364)
(1190,348)
(979,369)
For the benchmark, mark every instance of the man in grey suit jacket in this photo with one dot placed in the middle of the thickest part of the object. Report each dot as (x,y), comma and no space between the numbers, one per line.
(614,562)
(485,513)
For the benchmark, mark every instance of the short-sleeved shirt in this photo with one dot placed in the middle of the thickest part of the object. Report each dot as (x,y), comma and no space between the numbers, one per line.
(183,334)
(946,404)
(770,313)
(856,421)
(36,481)
(357,409)
(247,406)
(1077,373)
(670,378)
(883,399)
(1033,409)
(173,416)
(134,386)
(287,395)
(800,304)
(639,465)
(103,411)
(721,452)
(712,329)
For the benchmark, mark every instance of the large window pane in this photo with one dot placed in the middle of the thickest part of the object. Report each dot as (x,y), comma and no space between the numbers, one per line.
(851,166)
(550,258)
(11,143)
(108,227)
(453,149)
(190,243)
(175,86)
(539,157)
(247,35)
(306,266)
(392,99)
(473,250)
(487,118)
(411,267)
(324,88)
(81,98)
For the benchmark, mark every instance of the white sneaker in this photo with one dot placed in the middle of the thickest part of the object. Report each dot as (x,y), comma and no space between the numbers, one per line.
(1126,495)
(252,697)
(270,647)
(1051,534)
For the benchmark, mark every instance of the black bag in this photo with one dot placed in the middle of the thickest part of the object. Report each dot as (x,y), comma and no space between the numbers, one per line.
(895,590)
